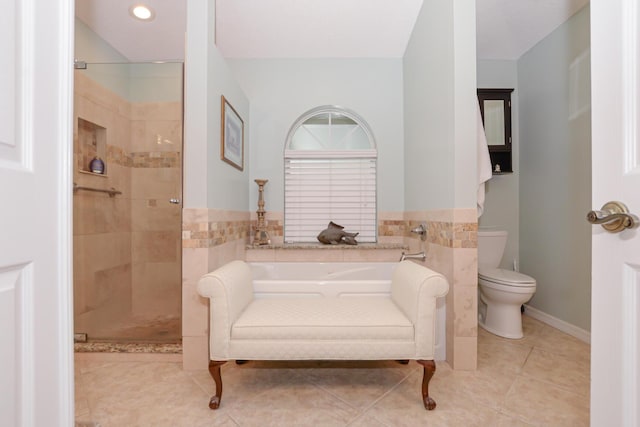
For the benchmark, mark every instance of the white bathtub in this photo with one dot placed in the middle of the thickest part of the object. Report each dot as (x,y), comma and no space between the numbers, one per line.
(334,279)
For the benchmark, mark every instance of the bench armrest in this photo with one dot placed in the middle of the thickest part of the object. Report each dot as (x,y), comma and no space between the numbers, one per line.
(230,290)
(415,289)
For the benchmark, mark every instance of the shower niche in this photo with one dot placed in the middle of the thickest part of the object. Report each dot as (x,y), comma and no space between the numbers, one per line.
(92,148)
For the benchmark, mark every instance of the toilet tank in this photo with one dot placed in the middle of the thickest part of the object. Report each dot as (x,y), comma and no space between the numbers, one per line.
(491,244)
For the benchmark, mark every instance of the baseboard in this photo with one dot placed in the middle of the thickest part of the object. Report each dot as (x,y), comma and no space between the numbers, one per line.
(561,325)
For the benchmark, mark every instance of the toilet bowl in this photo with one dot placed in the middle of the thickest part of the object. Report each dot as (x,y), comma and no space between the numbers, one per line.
(502,292)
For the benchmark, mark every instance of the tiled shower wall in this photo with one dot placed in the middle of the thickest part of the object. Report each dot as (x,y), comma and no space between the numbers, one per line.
(211,238)
(156,177)
(127,248)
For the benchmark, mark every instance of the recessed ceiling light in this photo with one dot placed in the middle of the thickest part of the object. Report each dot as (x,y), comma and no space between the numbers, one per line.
(142,12)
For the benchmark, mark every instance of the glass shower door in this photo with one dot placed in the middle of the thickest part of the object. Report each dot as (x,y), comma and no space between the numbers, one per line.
(127,214)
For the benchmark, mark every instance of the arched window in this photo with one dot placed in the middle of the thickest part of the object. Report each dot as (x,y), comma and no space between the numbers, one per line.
(330,175)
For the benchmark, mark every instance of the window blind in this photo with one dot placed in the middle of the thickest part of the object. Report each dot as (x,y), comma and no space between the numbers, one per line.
(337,186)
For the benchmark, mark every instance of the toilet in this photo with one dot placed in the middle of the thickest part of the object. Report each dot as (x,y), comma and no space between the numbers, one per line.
(502,292)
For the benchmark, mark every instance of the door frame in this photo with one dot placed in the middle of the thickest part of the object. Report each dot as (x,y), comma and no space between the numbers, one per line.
(65,70)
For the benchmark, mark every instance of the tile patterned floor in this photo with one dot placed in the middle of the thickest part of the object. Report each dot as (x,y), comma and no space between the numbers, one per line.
(541,380)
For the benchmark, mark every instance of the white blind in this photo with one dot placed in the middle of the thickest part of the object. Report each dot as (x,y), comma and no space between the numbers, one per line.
(330,186)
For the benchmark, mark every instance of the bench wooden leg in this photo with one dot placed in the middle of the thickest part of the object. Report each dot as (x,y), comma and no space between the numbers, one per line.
(214,370)
(429,370)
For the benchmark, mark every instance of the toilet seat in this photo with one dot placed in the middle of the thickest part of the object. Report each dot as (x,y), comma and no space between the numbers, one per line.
(502,277)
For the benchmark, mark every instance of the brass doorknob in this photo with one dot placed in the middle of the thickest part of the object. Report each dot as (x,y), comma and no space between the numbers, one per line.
(614,217)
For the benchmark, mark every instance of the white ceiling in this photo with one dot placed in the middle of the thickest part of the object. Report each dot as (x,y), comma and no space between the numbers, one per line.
(508,28)
(160,39)
(317,29)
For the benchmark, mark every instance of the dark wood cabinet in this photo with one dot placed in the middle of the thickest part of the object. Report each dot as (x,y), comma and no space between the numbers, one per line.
(495,108)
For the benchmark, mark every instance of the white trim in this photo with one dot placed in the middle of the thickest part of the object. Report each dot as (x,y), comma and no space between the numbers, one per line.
(331,154)
(630,304)
(27,76)
(18,279)
(630,91)
(26,351)
(330,109)
(631,344)
(561,325)
(66,400)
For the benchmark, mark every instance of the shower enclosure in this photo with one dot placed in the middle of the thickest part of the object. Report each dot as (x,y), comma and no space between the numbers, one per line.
(127,205)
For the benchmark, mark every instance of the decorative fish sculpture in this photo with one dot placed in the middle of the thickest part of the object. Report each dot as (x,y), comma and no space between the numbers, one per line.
(335,234)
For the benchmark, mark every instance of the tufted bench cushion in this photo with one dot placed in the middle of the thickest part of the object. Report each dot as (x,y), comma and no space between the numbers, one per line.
(363,318)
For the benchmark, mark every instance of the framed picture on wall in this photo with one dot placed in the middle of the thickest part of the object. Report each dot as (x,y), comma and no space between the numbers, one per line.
(232,138)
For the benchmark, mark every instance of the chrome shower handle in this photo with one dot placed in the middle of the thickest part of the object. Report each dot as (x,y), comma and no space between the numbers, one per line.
(614,217)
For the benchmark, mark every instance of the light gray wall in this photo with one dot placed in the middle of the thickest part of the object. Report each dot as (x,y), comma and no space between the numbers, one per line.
(208,181)
(428,105)
(227,186)
(555,171)
(439,108)
(155,82)
(465,101)
(135,82)
(196,105)
(283,89)
(502,197)
(91,48)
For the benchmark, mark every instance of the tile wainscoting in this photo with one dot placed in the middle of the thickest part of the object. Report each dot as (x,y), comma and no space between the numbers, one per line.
(452,249)
(211,238)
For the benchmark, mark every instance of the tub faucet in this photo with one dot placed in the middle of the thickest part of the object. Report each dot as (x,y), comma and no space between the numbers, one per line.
(420,255)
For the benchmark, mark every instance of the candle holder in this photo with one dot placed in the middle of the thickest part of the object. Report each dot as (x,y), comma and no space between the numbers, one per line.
(261,237)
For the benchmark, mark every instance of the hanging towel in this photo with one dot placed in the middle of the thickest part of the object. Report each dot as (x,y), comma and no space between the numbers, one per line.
(484,162)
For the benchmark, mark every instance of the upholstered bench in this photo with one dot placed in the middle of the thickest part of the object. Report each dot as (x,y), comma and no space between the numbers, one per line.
(398,327)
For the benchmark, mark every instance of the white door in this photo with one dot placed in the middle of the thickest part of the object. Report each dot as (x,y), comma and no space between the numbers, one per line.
(615,318)
(36,65)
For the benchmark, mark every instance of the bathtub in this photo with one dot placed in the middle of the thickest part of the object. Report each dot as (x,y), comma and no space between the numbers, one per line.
(337,280)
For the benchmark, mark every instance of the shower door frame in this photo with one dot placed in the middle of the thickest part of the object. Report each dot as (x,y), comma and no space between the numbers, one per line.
(143,157)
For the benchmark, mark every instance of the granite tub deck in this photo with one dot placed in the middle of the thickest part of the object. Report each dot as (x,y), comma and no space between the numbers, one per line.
(318,252)
(354,325)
